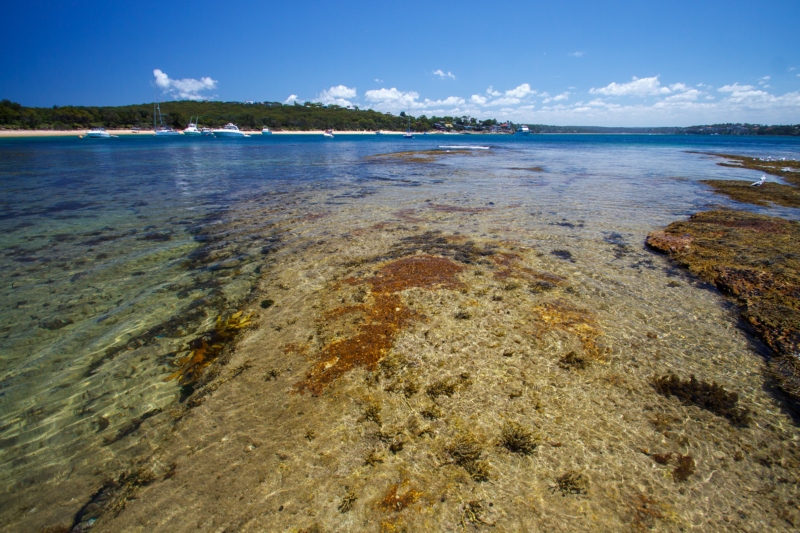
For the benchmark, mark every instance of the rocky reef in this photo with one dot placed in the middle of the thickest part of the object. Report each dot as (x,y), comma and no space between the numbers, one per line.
(756,260)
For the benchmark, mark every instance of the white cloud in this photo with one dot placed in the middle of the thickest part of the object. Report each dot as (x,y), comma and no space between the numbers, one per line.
(520,91)
(378,81)
(735,88)
(184,89)
(556,98)
(689,94)
(449,101)
(338,96)
(618,104)
(512,96)
(577,54)
(442,74)
(292,99)
(393,99)
(637,87)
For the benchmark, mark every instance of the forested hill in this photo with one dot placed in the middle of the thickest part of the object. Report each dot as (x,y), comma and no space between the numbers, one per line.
(307,116)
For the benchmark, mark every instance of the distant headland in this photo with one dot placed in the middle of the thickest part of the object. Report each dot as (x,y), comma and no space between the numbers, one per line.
(311,116)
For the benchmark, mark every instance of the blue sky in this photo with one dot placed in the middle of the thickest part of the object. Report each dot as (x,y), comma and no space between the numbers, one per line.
(567,62)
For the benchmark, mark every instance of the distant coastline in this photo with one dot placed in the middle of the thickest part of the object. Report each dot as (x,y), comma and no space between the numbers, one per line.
(306,118)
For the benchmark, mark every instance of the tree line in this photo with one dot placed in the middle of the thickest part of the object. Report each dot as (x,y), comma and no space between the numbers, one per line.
(300,117)
(275,115)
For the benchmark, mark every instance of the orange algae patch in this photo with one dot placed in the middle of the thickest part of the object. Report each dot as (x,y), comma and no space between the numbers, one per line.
(397,502)
(563,316)
(423,271)
(372,343)
(381,319)
(207,347)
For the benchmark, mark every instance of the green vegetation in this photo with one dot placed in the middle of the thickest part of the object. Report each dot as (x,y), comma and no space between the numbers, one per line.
(277,116)
(307,116)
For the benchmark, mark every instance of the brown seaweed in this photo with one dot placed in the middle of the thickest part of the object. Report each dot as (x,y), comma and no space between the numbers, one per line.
(398,497)
(207,347)
(517,439)
(709,396)
(465,451)
(570,482)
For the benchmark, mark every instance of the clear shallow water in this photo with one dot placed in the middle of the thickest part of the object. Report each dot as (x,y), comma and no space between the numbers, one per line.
(117,252)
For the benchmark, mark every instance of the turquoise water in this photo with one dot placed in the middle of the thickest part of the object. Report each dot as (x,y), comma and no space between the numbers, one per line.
(118,252)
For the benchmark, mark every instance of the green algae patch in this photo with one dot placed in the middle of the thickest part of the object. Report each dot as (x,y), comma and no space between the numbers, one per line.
(756,260)
(789,170)
(764,195)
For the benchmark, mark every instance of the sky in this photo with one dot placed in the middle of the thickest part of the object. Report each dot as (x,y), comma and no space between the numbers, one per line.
(565,62)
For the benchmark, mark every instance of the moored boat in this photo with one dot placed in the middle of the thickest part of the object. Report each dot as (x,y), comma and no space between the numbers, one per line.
(266,131)
(328,134)
(191,128)
(98,133)
(161,129)
(229,131)
(523,130)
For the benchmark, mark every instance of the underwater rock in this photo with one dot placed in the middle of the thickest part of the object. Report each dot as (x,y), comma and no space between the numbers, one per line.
(766,194)
(54,324)
(785,169)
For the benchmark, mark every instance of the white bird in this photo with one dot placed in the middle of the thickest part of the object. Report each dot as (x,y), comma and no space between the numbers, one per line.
(760,182)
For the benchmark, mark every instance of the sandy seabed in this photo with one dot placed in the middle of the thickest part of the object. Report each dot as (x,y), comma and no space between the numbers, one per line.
(428,364)
(510,391)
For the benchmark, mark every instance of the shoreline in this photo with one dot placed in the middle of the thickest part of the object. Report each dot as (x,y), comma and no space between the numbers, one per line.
(146,133)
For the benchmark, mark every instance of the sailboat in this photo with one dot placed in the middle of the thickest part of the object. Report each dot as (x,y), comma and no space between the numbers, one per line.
(408,134)
(160,129)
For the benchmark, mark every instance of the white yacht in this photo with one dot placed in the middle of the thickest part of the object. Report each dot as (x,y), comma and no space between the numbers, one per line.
(328,134)
(98,133)
(207,131)
(230,130)
(523,130)
(160,129)
(379,132)
(266,131)
(191,128)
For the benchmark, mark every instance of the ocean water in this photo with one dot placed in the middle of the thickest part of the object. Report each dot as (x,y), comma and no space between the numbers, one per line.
(118,252)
